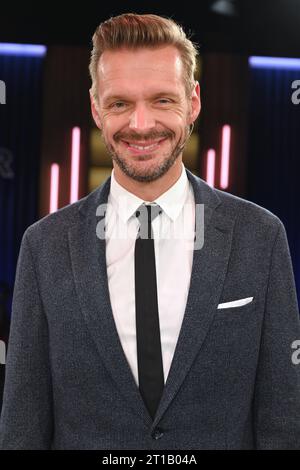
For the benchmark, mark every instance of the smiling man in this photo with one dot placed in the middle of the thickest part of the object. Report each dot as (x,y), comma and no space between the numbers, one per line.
(144,106)
(139,342)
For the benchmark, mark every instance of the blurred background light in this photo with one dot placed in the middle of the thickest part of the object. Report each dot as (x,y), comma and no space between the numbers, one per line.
(23,49)
(274,62)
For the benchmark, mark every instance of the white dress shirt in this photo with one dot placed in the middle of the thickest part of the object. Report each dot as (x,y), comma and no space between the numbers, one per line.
(173,232)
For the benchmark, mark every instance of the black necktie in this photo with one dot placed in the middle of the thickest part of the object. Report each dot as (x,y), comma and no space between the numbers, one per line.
(150,366)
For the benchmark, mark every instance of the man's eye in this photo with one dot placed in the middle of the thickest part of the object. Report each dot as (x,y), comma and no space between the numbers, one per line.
(118,105)
(163,101)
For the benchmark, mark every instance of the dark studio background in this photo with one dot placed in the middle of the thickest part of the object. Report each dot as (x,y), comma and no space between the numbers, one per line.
(47,97)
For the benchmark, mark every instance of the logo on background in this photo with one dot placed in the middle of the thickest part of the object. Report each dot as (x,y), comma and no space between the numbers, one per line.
(296,94)
(296,354)
(2,352)
(2,92)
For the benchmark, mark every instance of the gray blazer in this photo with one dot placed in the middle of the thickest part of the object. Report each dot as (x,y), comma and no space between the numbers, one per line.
(233,383)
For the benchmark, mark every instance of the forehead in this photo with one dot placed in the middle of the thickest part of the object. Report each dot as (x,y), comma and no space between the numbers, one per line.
(143,66)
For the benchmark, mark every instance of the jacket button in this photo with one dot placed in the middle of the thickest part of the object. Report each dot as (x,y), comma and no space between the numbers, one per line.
(157,434)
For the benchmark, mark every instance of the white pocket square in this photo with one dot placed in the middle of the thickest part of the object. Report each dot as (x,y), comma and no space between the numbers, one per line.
(236,303)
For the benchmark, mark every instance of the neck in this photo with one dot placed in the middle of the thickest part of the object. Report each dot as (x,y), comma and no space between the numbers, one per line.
(149,191)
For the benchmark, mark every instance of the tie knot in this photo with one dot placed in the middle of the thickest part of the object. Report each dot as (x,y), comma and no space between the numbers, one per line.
(146,213)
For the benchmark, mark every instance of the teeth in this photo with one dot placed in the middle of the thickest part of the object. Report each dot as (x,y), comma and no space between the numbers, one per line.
(139,147)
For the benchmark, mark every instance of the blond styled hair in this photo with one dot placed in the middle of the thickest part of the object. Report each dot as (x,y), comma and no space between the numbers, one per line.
(133,31)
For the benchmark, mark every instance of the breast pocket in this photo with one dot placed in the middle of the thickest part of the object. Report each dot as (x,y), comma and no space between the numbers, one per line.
(240,311)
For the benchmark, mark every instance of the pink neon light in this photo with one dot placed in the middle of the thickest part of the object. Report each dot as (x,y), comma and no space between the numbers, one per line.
(226,135)
(54,184)
(210,169)
(74,195)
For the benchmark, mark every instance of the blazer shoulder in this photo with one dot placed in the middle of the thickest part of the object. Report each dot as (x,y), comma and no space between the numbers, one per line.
(54,226)
(248,212)
(233,207)
(58,221)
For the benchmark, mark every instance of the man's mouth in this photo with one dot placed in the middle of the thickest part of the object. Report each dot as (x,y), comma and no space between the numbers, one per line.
(143,147)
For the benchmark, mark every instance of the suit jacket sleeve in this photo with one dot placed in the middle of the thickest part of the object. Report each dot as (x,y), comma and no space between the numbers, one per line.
(26,419)
(277,391)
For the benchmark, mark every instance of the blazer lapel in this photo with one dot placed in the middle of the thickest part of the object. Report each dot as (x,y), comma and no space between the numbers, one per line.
(89,270)
(207,279)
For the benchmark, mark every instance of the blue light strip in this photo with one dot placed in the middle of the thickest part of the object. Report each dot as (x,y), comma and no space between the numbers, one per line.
(274,63)
(32,50)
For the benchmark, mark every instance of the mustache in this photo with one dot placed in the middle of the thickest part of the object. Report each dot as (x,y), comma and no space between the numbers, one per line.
(135,137)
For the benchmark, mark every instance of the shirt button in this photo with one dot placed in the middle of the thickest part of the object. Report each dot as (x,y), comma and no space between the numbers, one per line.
(157,434)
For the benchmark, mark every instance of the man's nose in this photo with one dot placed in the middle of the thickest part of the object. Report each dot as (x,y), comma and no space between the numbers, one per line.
(142,118)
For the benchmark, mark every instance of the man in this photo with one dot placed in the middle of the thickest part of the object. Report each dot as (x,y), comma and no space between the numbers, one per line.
(140,342)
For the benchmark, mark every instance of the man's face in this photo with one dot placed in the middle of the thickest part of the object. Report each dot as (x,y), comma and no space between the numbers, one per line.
(143,110)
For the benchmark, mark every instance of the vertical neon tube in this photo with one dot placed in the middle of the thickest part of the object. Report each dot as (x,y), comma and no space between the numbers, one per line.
(54,186)
(225,158)
(210,168)
(74,195)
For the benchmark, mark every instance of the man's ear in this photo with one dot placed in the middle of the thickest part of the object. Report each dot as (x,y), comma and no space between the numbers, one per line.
(195,103)
(95,110)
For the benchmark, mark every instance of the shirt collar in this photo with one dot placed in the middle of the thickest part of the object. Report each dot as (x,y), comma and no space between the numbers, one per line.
(171,201)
